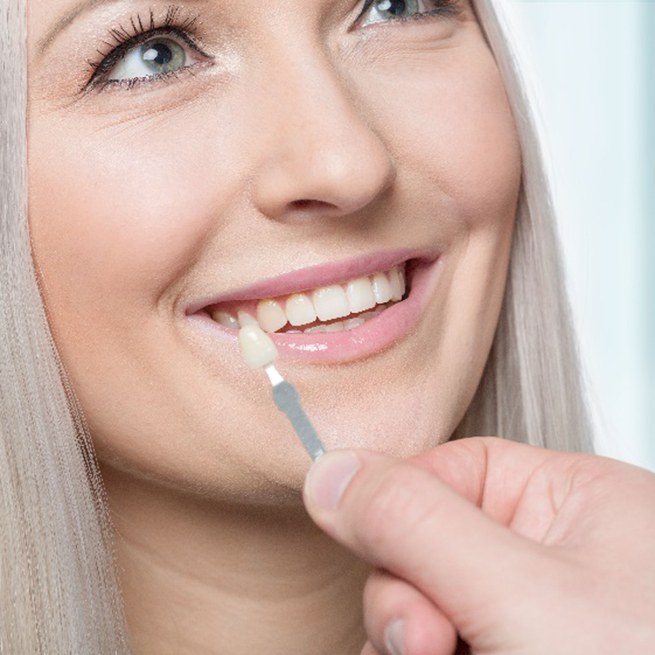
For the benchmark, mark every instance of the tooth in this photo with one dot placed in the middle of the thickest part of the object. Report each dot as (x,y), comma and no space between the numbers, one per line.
(381,288)
(360,295)
(396,284)
(300,309)
(353,323)
(331,302)
(225,319)
(246,319)
(270,315)
(293,332)
(335,327)
(316,328)
(368,315)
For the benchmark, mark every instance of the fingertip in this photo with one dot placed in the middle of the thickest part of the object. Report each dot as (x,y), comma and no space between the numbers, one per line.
(328,479)
(394,637)
(400,619)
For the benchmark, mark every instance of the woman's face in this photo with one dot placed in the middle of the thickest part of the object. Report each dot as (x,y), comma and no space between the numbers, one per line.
(205,157)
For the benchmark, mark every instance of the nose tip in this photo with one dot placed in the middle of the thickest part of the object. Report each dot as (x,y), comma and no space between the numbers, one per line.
(327,173)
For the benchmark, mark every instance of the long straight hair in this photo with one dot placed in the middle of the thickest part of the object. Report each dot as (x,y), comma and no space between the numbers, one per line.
(531,389)
(58,589)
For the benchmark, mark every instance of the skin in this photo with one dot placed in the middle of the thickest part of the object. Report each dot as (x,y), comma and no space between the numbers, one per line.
(570,538)
(144,200)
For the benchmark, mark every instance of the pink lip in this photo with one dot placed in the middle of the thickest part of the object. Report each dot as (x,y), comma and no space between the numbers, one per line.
(374,336)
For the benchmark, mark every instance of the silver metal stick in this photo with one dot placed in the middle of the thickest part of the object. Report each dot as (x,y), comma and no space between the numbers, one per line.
(287,400)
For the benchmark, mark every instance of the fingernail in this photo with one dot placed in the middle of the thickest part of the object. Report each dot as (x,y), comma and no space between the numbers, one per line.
(393,637)
(329,477)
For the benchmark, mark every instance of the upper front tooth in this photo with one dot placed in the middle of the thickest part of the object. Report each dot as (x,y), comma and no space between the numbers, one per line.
(331,302)
(360,295)
(381,288)
(270,315)
(325,303)
(300,309)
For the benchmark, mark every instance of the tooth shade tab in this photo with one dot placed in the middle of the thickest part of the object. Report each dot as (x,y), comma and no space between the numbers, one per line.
(257,348)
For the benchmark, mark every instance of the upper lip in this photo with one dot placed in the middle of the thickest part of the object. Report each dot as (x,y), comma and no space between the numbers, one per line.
(319,275)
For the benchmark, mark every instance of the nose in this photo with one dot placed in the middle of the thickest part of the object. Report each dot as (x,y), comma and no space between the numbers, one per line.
(322,156)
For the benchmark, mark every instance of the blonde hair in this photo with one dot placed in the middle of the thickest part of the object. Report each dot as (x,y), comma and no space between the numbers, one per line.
(58,589)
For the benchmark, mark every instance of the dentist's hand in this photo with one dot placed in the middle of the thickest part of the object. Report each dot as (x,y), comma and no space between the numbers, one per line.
(515,549)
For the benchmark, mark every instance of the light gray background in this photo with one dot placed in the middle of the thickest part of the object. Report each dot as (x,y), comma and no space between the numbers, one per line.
(592,64)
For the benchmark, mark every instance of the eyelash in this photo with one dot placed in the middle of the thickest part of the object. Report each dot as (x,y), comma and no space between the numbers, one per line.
(139,31)
(445,8)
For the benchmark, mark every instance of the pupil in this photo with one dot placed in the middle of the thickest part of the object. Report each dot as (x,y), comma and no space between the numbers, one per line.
(158,53)
(393,7)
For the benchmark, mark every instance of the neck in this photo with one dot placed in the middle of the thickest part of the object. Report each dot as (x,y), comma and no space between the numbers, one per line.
(197,575)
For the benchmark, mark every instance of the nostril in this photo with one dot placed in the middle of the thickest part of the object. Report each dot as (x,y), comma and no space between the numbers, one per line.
(307,204)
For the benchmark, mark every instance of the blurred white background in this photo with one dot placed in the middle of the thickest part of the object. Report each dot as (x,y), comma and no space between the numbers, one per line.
(593,64)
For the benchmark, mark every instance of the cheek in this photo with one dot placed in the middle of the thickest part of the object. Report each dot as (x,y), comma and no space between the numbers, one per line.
(448,120)
(97,219)
(112,214)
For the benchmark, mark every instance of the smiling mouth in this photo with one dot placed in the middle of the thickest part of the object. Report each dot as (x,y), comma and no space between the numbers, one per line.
(333,308)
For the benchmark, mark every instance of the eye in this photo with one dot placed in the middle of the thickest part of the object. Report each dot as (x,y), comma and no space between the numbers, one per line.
(381,11)
(153,58)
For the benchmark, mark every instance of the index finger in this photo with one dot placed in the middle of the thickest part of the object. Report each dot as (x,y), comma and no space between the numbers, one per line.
(496,474)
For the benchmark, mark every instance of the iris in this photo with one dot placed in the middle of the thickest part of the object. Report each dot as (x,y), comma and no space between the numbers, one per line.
(163,56)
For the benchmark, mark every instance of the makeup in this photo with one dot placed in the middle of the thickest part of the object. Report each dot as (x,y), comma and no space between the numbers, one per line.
(259,351)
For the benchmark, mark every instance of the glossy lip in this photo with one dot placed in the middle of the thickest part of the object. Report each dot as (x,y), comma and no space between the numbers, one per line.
(376,335)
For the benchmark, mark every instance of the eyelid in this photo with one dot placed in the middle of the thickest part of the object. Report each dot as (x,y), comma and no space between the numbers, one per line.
(114,56)
(452,7)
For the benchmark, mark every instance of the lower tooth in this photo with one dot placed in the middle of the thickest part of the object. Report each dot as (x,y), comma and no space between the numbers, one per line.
(334,327)
(317,328)
(354,323)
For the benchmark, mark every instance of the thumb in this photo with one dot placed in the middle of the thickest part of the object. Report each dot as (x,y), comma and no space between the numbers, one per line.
(401,517)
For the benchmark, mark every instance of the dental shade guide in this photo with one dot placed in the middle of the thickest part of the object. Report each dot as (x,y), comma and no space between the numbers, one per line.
(259,351)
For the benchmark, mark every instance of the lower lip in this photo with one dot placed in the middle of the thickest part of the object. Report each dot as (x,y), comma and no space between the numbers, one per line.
(374,336)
